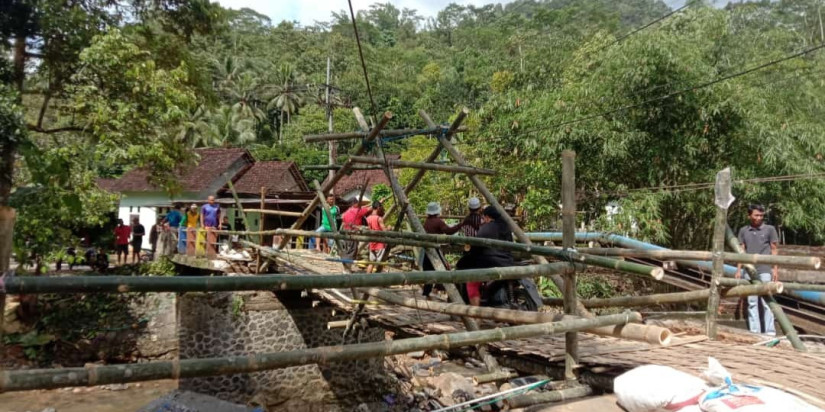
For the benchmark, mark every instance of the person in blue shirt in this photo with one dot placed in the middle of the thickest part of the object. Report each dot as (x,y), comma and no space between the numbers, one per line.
(174,217)
(211,213)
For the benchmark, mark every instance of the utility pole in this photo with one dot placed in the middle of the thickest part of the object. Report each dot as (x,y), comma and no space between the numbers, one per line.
(332,152)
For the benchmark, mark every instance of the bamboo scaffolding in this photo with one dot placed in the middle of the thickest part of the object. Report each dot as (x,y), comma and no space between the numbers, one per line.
(790,261)
(530,399)
(330,183)
(632,331)
(784,323)
(432,253)
(770,288)
(275,212)
(123,284)
(21,380)
(419,174)
(326,137)
(403,164)
(630,267)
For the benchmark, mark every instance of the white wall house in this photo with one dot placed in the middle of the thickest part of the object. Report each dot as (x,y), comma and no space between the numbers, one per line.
(139,198)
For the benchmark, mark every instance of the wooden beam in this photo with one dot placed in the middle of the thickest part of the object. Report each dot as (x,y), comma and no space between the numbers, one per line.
(326,137)
(275,212)
(568,210)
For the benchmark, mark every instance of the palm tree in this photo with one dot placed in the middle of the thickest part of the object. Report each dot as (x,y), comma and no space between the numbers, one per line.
(285,96)
(193,125)
(226,128)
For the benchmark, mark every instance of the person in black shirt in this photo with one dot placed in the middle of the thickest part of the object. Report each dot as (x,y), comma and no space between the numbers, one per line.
(479,257)
(138,231)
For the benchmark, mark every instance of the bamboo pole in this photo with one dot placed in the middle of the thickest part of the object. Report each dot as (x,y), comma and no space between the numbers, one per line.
(403,164)
(275,212)
(21,380)
(807,262)
(7,217)
(784,323)
(262,227)
(723,199)
(630,267)
(530,399)
(339,167)
(419,174)
(568,200)
(123,284)
(792,286)
(493,377)
(329,184)
(632,331)
(769,288)
(238,203)
(326,137)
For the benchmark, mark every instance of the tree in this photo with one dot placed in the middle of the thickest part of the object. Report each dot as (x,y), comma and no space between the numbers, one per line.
(286,97)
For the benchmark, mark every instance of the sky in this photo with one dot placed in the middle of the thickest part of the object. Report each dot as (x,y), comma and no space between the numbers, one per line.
(308,12)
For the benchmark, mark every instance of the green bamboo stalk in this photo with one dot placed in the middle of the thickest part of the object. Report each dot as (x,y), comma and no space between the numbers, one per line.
(632,331)
(403,164)
(22,380)
(123,284)
(568,212)
(531,399)
(629,267)
(807,262)
(677,297)
(803,286)
(784,323)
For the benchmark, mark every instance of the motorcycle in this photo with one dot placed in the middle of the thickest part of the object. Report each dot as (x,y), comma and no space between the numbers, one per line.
(517,294)
(94,257)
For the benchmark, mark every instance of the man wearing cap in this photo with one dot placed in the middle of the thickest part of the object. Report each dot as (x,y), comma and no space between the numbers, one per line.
(434,224)
(350,220)
(472,222)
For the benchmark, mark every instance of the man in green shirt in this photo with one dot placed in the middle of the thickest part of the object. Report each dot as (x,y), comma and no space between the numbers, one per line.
(327,223)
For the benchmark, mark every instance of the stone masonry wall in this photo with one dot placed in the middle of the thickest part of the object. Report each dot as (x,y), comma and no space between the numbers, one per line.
(242,323)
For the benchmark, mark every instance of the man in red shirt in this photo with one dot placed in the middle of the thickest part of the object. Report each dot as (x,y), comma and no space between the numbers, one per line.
(122,233)
(350,220)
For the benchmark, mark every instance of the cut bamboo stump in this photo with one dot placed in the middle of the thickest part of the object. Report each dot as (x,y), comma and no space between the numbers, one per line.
(493,377)
(21,380)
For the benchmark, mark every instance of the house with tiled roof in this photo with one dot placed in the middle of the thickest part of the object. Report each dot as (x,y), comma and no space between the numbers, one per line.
(284,188)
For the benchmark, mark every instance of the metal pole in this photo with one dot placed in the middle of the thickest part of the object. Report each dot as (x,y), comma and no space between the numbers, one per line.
(568,200)
(723,199)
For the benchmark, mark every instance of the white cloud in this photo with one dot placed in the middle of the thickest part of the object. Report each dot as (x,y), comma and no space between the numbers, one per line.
(308,12)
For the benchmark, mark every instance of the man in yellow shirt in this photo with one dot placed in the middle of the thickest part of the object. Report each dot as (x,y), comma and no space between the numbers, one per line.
(192,216)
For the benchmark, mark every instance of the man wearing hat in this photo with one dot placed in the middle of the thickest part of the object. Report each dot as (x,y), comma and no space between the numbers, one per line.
(472,222)
(192,217)
(434,224)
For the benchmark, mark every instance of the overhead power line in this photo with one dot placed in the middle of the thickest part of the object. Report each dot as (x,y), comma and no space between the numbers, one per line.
(361,56)
(681,91)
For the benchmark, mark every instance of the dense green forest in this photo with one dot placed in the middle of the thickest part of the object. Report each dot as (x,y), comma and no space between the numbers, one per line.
(92,88)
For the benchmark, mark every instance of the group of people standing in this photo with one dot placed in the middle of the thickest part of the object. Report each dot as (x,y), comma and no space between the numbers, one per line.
(479,222)
(122,240)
